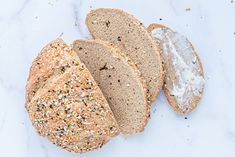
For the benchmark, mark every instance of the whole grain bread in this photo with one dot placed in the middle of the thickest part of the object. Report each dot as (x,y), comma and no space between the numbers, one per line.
(124,31)
(184,78)
(120,82)
(69,108)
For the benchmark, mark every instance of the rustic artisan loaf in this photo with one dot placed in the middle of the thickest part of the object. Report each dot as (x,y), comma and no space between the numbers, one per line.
(120,82)
(184,80)
(131,37)
(69,108)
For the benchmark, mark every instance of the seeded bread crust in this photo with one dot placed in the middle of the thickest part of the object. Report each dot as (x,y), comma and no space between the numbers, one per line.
(70,109)
(123,34)
(171,99)
(52,57)
(80,47)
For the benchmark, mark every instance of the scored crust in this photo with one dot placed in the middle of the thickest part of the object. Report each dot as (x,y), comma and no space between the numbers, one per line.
(83,48)
(70,109)
(172,99)
(124,31)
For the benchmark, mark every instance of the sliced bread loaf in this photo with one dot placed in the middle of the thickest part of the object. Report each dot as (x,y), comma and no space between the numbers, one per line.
(119,81)
(184,80)
(131,37)
(69,109)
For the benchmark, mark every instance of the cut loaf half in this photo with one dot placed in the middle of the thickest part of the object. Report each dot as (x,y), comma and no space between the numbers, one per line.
(64,102)
(120,82)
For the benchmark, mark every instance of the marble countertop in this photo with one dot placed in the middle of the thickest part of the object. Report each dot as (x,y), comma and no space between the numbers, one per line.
(27,25)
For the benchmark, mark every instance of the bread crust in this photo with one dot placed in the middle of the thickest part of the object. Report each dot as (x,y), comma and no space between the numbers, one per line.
(45,64)
(152,95)
(123,57)
(171,101)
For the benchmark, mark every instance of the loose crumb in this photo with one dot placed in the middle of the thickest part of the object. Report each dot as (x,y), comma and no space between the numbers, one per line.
(188,9)
(154,111)
(50,3)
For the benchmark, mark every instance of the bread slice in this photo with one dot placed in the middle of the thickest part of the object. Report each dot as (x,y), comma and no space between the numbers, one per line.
(184,78)
(70,109)
(131,37)
(119,81)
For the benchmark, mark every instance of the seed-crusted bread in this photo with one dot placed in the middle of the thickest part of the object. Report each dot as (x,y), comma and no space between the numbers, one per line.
(47,63)
(184,78)
(120,82)
(70,109)
(124,31)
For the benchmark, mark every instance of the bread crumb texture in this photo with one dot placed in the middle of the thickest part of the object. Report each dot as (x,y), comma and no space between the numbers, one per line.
(120,82)
(127,33)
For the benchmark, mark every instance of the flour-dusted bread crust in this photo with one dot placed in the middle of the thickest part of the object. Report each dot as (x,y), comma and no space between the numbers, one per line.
(120,82)
(184,78)
(131,37)
(70,109)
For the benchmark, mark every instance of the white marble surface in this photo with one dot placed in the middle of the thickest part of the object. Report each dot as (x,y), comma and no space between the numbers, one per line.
(27,25)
